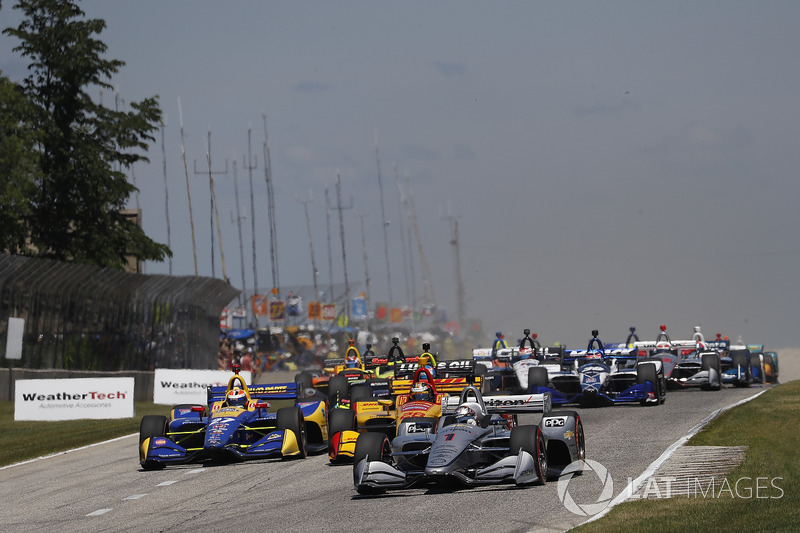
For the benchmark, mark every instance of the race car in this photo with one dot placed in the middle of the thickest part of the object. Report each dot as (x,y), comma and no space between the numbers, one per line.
(600,376)
(763,365)
(507,367)
(737,366)
(338,375)
(239,423)
(687,363)
(472,444)
(414,396)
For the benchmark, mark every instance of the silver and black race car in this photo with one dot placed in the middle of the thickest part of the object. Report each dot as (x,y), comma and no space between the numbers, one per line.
(476,442)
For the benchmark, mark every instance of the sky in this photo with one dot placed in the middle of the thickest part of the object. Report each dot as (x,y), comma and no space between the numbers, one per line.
(609,164)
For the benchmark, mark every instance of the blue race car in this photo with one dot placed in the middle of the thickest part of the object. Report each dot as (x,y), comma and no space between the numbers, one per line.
(239,423)
(601,375)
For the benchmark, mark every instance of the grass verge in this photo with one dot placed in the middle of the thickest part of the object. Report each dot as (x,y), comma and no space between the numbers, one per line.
(768,494)
(23,440)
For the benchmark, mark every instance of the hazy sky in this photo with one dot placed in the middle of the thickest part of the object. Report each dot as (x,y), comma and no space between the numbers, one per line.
(610,164)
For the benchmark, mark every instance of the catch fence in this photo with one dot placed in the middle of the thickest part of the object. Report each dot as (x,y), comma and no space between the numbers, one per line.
(82,317)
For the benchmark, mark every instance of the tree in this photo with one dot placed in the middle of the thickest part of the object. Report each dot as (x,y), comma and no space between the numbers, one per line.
(83,147)
(18,163)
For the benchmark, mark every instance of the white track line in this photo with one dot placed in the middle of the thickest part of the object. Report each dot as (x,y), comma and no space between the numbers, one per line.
(67,451)
(634,485)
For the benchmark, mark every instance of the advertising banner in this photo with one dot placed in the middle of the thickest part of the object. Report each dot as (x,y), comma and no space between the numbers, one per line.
(175,386)
(73,399)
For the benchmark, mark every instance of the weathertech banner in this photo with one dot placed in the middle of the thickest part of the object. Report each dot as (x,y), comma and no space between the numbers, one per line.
(172,387)
(73,399)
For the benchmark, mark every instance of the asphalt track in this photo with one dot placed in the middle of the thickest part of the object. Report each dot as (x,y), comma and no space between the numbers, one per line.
(102,487)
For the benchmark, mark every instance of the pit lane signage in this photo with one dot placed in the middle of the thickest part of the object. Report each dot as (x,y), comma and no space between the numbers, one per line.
(73,399)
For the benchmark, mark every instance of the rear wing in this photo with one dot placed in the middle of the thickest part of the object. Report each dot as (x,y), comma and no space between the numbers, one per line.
(274,391)
(444,369)
(622,352)
(374,361)
(506,404)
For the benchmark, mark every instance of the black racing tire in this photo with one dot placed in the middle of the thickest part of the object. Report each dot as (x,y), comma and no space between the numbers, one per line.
(152,426)
(740,359)
(361,391)
(531,440)
(340,419)
(376,447)
(710,361)
(292,418)
(580,442)
(338,389)
(537,377)
(305,379)
(647,372)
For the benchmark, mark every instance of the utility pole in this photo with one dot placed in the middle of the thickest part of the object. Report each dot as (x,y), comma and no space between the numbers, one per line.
(251,165)
(428,295)
(459,280)
(166,190)
(330,252)
(188,191)
(310,243)
(402,234)
(214,210)
(239,228)
(273,233)
(367,281)
(384,223)
(340,208)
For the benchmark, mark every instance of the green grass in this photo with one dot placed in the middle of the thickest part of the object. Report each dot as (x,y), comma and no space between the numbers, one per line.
(769,427)
(22,440)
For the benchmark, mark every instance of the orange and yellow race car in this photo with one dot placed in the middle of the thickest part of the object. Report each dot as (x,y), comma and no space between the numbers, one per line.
(338,375)
(240,422)
(415,401)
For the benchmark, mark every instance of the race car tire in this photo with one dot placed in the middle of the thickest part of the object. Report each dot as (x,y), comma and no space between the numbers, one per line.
(739,359)
(292,418)
(580,441)
(338,389)
(375,447)
(647,372)
(152,426)
(531,440)
(711,362)
(537,377)
(340,419)
(305,379)
(360,392)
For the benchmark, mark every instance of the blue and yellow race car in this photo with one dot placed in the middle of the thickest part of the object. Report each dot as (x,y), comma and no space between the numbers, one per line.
(239,423)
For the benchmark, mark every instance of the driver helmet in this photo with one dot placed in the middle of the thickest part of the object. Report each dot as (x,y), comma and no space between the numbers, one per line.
(499,334)
(237,397)
(468,413)
(594,355)
(663,346)
(422,392)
